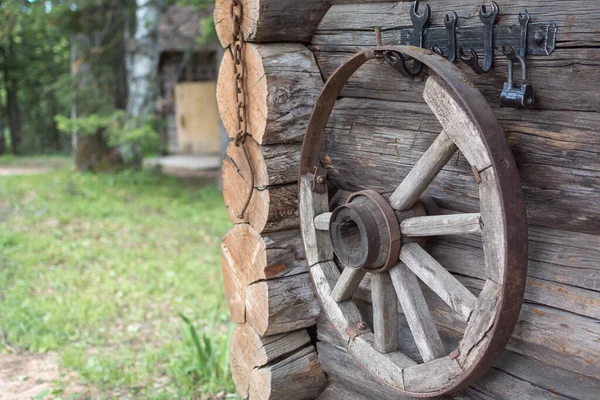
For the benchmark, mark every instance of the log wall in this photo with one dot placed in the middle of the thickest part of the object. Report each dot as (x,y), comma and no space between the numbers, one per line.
(378,130)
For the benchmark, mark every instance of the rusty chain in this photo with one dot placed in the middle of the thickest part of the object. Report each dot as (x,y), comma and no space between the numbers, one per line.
(237,53)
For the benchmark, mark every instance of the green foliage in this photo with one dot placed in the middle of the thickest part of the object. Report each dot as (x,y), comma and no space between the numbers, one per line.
(209,367)
(99,267)
(119,128)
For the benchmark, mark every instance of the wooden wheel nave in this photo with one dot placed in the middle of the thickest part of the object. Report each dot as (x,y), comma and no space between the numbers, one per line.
(377,236)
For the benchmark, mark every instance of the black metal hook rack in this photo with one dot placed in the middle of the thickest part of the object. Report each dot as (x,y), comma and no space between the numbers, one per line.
(470,44)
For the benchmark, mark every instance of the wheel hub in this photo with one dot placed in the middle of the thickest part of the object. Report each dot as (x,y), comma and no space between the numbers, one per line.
(365,232)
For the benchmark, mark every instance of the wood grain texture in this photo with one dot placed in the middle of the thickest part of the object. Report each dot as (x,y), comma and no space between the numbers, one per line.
(248,257)
(347,284)
(273,203)
(434,275)
(432,376)
(457,123)
(282,83)
(513,377)
(386,367)
(440,225)
(317,243)
(493,229)
(321,221)
(417,313)
(272,21)
(282,305)
(385,313)
(557,154)
(298,377)
(549,335)
(477,335)
(249,351)
(423,173)
(558,79)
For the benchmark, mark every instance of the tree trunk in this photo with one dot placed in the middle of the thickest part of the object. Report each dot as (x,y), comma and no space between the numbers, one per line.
(119,60)
(11,88)
(54,132)
(142,77)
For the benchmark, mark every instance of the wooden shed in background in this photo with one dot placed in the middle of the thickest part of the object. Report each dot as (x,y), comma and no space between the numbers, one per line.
(381,128)
(187,82)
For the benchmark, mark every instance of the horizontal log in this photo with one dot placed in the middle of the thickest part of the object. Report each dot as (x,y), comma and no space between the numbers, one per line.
(562,275)
(276,367)
(272,21)
(282,305)
(281,82)
(576,24)
(513,377)
(375,143)
(248,257)
(567,80)
(549,335)
(273,201)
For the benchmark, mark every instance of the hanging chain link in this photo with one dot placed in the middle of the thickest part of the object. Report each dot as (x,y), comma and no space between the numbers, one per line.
(237,50)
(236,11)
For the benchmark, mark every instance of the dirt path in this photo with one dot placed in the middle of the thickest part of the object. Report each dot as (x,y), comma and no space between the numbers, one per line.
(12,171)
(26,375)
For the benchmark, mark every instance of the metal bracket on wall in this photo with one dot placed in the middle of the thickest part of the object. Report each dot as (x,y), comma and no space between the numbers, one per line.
(541,37)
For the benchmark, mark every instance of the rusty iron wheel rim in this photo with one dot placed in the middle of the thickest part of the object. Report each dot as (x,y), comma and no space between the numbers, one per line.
(507,178)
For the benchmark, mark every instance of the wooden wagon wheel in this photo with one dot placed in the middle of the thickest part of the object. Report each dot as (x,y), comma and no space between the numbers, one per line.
(370,234)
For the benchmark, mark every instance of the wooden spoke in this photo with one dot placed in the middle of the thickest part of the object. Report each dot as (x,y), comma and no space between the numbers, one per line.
(438,225)
(424,171)
(385,313)
(322,221)
(456,121)
(347,284)
(442,282)
(417,313)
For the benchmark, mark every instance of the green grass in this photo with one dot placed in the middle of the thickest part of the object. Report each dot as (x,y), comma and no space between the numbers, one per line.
(100,267)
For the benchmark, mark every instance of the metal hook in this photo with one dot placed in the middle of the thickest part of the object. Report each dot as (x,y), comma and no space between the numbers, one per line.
(471,59)
(524,21)
(488,17)
(396,60)
(420,22)
(451,20)
(437,50)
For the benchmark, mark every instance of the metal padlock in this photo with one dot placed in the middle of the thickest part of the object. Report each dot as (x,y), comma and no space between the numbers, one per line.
(517,96)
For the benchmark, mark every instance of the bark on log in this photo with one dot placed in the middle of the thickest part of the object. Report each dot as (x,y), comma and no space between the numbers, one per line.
(282,83)
(273,203)
(571,72)
(276,367)
(274,20)
(248,258)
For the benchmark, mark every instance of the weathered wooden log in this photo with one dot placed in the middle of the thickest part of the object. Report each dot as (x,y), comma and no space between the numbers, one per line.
(563,273)
(571,72)
(281,367)
(274,20)
(282,305)
(266,281)
(273,202)
(281,81)
(552,336)
(248,257)
(375,143)
(514,376)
